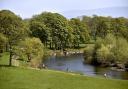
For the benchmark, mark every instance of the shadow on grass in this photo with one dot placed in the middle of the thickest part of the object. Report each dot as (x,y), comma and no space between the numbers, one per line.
(6,66)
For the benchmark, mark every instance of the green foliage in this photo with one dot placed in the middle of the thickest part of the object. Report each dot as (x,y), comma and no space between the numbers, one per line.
(117,48)
(103,53)
(32,49)
(39,30)
(57,32)
(3,41)
(100,26)
(13,28)
(88,53)
(120,50)
(110,49)
(80,32)
(104,48)
(51,28)
(119,27)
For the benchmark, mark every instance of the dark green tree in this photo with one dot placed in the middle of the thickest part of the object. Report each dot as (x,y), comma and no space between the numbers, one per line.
(56,27)
(3,41)
(13,28)
(80,32)
(39,30)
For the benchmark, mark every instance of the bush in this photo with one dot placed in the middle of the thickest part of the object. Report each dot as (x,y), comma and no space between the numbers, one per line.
(88,54)
(120,50)
(109,50)
(103,53)
(31,50)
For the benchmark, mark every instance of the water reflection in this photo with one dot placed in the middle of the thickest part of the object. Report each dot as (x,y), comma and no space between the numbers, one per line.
(74,63)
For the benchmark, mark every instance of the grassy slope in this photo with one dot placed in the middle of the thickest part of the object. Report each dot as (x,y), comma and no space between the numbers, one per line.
(20,78)
(23,78)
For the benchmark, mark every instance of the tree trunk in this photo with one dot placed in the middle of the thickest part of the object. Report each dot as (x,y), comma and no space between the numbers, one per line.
(6,47)
(78,45)
(50,45)
(10,59)
(46,44)
(29,57)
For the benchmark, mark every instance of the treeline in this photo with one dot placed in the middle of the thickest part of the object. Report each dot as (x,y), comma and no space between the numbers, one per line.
(26,37)
(111,41)
(100,26)
(57,32)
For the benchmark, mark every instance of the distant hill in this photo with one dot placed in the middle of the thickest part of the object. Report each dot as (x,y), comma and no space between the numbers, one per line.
(112,11)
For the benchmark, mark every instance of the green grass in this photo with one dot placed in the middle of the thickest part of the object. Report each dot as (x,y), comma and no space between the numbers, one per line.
(4,58)
(21,78)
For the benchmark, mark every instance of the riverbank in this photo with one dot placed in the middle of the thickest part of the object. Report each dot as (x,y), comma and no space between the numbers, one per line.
(23,78)
(74,63)
(104,58)
(30,78)
(67,52)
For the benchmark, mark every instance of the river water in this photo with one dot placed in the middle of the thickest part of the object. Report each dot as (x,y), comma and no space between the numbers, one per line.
(74,63)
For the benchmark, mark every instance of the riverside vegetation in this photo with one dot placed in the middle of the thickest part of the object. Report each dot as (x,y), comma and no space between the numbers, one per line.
(27,39)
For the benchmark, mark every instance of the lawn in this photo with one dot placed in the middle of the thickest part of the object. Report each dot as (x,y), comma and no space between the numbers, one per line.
(4,59)
(22,78)
(26,78)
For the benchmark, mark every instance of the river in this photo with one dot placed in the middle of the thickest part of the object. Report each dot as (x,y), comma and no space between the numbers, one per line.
(74,63)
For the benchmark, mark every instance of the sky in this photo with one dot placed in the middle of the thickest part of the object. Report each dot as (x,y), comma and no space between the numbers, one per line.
(27,8)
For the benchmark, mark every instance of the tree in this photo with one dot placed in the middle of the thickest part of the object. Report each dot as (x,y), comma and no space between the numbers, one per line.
(39,30)
(119,27)
(56,27)
(88,21)
(31,48)
(120,50)
(103,53)
(89,54)
(3,41)
(13,28)
(112,49)
(80,32)
(103,27)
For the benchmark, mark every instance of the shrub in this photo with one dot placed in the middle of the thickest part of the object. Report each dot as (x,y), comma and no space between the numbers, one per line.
(88,54)
(111,49)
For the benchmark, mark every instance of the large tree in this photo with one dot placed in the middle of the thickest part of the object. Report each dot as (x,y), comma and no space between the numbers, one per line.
(54,26)
(40,30)
(12,27)
(80,31)
(120,27)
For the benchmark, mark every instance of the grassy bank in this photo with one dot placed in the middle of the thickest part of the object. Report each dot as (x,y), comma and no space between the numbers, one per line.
(24,78)
(20,78)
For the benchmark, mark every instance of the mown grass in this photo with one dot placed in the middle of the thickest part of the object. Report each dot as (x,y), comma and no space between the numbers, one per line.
(24,78)
(21,78)
(4,59)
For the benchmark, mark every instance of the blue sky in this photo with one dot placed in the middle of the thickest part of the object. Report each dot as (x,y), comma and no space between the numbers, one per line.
(27,8)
